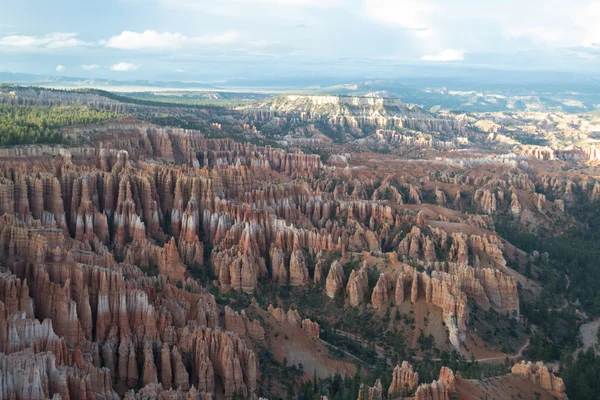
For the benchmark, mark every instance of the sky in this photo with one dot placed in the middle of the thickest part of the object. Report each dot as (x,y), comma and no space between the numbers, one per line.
(217,40)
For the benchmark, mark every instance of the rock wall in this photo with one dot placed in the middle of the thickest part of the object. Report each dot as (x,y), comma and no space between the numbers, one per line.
(539,374)
(404,380)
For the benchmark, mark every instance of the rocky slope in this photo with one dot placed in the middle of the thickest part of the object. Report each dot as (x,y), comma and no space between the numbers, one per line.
(128,263)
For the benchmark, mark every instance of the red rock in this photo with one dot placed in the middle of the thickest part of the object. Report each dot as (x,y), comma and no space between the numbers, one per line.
(381,291)
(180,374)
(279,272)
(432,391)
(358,287)
(170,264)
(335,280)
(447,376)
(371,393)
(539,374)
(166,372)
(404,380)
(311,328)
(149,374)
(298,269)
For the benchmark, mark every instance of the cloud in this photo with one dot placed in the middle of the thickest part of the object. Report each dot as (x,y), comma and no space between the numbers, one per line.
(537,33)
(89,67)
(446,55)
(124,67)
(53,41)
(60,68)
(492,26)
(223,38)
(146,40)
(552,23)
(408,14)
(252,3)
(152,40)
(316,3)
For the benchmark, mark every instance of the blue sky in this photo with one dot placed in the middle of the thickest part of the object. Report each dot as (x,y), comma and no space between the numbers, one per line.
(224,39)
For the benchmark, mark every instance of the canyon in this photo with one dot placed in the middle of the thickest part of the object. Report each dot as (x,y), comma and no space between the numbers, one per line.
(152,262)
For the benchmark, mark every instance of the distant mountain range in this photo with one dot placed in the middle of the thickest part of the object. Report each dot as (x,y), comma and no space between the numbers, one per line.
(40,80)
(484,91)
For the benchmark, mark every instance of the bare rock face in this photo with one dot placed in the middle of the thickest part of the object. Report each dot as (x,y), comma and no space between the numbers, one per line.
(429,250)
(486,200)
(15,295)
(358,287)
(311,328)
(404,380)
(540,201)
(241,324)
(381,291)
(539,374)
(371,393)
(501,290)
(399,289)
(279,272)
(442,290)
(149,369)
(560,205)
(411,244)
(432,391)
(447,376)
(319,268)
(103,248)
(156,391)
(96,243)
(277,313)
(227,357)
(291,316)
(596,192)
(414,194)
(335,280)
(241,265)
(29,375)
(459,251)
(298,269)
(166,371)
(256,331)
(180,375)
(440,196)
(170,264)
(416,245)
(515,205)
(235,322)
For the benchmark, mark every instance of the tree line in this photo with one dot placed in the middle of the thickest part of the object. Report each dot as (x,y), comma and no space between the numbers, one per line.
(41,124)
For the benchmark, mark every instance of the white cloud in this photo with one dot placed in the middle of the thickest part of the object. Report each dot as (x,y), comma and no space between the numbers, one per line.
(124,67)
(591,36)
(152,40)
(538,33)
(553,23)
(223,38)
(195,4)
(318,3)
(408,14)
(60,68)
(89,67)
(146,40)
(57,40)
(446,55)
(491,26)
